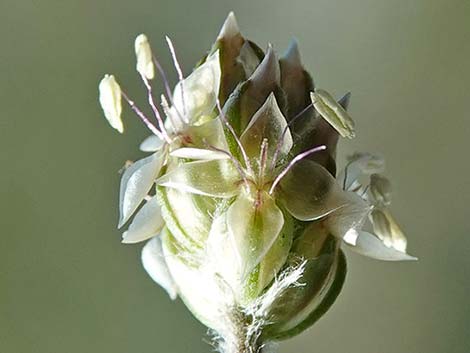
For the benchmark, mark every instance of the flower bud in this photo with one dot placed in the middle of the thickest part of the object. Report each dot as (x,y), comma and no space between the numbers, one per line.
(144,56)
(110,100)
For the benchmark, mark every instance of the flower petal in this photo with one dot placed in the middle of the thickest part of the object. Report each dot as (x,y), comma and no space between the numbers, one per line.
(151,144)
(210,133)
(309,192)
(146,223)
(110,100)
(154,263)
(344,222)
(268,122)
(360,164)
(387,229)
(248,59)
(136,183)
(210,178)
(369,245)
(199,90)
(199,153)
(254,222)
(380,189)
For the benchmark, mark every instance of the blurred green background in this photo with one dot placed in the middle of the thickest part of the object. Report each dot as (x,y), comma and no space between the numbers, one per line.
(66,282)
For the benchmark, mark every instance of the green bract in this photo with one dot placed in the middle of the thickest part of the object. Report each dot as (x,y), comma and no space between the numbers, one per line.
(240,199)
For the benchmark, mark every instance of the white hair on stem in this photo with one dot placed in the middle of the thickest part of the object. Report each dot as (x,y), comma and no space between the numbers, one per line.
(242,327)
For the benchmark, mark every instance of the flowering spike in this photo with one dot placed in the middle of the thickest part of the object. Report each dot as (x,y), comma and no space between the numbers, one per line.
(144,56)
(110,100)
(243,212)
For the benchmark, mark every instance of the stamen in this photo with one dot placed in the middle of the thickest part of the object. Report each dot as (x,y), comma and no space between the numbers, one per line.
(180,74)
(166,111)
(152,104)
(263,157)
(142,116)
(239,143)
(281,139)
(296,159)
(232,158)
(346,169)
(166,84)
(365,191)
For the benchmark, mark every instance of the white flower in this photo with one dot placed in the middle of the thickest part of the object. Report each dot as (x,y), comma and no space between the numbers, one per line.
(373,191)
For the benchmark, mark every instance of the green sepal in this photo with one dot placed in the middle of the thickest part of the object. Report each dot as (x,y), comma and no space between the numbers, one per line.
(322,307)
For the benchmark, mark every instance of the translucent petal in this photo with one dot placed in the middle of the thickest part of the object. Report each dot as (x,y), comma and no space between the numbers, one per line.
(333,112)
(197,287)
(250,96)
(360,164)
(309,191)
(369,245)
(210,133)
(248,59)
(151,144)
(254,222)
(268,122)
(111,102)
(387,229)
(344,222)
(136,183)
(223,254)
(211,178)
(380,189)
(154,263)
(146,223)
(199,153)
(199,90)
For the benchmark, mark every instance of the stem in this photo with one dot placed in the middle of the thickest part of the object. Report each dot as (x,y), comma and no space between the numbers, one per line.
(240,335)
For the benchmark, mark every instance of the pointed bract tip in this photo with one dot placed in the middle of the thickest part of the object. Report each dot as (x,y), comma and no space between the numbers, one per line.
(344,101)
(229,28)
(292,54)
(268,69)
